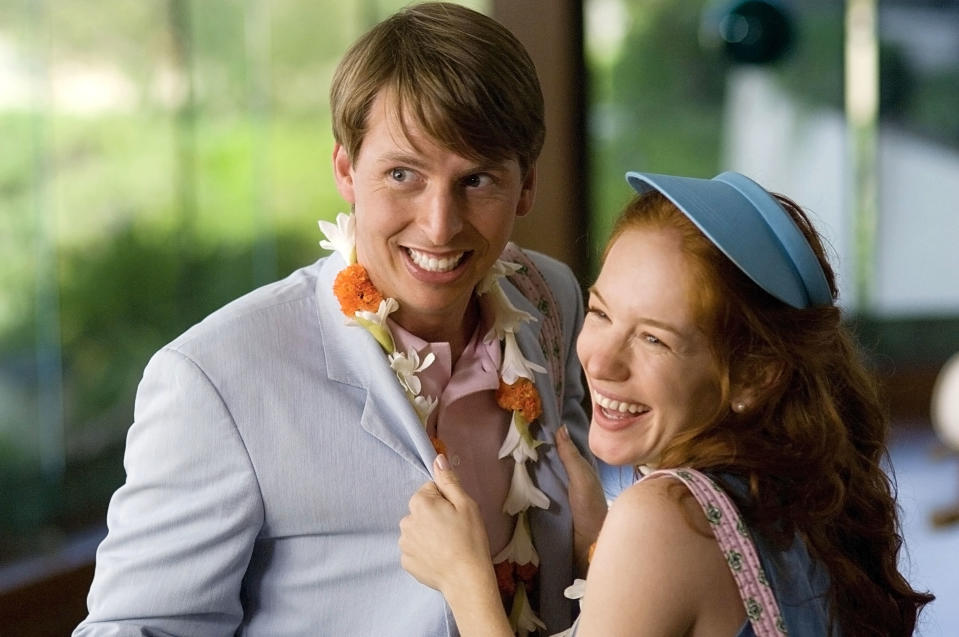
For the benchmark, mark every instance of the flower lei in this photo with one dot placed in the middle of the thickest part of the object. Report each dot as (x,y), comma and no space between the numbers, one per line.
(517,564)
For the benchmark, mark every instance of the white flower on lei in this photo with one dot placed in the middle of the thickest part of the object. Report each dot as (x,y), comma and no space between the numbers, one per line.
(507,317)
(520,549)
(522,618)
(522,492)
(499,270)
(341,237)
(519,442)
(375,322)
(407,366)
(424,406)
(576,590)
(515,365)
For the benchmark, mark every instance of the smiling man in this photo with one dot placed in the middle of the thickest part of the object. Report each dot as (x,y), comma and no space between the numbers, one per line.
(430,222)
(276,444)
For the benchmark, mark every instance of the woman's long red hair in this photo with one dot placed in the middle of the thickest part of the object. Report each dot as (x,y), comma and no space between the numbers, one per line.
(812,448)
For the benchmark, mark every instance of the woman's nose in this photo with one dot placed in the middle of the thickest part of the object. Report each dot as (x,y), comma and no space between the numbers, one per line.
(607,361)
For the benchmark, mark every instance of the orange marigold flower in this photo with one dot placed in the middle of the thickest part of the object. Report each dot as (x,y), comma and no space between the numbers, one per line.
(526,573)
(520,396)
(355,291)
(504,578)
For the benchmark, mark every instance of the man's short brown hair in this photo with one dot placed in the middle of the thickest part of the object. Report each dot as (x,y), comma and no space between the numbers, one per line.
(462,77)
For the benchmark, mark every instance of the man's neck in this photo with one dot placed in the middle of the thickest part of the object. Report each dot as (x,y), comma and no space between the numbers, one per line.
(456,332)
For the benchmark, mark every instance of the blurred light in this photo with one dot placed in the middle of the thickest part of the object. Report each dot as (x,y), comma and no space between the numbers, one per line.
(945,403)
(606,24)
(748,31)
(862,61)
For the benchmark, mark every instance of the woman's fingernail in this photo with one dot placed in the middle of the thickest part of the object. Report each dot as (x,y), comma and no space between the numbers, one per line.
(442,463)
(564,433)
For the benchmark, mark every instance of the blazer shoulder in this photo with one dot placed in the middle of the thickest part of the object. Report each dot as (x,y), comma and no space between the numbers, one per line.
(284,307)
(561,280)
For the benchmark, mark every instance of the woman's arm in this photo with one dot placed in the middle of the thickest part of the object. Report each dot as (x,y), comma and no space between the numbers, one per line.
(444,546)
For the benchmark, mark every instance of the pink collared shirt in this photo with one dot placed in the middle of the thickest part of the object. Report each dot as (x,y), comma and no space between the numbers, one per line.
(468,421)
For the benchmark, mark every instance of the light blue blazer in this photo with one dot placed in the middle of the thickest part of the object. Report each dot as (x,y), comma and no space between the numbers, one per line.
(271,458)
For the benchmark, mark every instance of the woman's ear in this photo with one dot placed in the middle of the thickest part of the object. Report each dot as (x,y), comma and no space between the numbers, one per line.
(753,384)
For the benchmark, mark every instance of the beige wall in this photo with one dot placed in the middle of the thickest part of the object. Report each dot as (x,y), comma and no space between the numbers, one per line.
(552,31)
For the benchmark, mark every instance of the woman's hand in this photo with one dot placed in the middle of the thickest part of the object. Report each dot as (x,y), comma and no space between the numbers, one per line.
(443,540)
(444,546)
(586,499)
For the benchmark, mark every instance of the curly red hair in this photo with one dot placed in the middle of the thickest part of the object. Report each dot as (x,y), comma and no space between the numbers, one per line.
(812,449)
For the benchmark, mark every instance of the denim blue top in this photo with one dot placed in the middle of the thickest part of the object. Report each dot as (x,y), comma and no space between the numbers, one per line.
(800,584)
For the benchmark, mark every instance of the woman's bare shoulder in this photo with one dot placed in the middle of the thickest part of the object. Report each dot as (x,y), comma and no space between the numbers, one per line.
(661,504)
(656,562)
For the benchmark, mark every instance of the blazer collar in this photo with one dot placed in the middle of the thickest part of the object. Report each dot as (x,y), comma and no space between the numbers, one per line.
(354,358)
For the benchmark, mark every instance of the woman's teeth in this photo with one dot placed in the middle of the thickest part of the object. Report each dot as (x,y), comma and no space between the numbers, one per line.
(618,406)
(431,263)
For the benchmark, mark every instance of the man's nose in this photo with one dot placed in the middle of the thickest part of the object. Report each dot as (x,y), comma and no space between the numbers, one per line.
(440,216)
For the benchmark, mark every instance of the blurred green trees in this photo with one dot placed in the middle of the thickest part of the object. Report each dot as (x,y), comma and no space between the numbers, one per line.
(159,158)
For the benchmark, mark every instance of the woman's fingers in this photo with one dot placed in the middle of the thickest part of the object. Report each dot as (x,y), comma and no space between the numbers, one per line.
(448,483)
(443,539)
(586,498)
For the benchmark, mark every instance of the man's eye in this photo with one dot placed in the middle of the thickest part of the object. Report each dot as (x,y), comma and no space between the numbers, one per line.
(477,180)
(399,174)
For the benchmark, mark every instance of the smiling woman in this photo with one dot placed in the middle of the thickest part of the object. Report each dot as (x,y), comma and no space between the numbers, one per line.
(651,371)
(715,355)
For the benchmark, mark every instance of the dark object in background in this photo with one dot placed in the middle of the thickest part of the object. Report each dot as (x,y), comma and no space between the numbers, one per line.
(748,31)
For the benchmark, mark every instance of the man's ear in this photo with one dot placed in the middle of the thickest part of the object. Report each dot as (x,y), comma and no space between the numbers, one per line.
(343,173)
(528,194)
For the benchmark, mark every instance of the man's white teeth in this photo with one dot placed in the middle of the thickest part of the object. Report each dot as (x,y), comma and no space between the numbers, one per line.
(433,264)
(615,405)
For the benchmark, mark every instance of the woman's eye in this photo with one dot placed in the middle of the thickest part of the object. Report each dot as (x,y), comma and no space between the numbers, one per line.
(652,340)
(593,311)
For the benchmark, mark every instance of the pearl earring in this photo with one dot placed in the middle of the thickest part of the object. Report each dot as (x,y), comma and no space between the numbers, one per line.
(739,407)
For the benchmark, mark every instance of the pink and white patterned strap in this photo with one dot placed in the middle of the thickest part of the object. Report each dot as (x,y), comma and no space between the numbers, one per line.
(530,281)
(738,548)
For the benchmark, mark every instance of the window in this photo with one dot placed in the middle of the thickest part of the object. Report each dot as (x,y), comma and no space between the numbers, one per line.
(160,158)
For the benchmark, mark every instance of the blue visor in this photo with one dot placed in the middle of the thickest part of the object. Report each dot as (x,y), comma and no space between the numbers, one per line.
(751,228)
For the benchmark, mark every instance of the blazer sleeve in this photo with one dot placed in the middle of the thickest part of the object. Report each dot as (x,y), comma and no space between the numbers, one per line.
(182,526)
(574,415)
(568,294)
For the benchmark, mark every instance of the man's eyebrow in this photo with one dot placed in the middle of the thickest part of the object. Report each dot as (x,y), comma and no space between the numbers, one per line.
(413,160)
(402,158)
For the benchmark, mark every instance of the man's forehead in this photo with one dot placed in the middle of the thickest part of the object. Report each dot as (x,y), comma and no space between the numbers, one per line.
(407,133)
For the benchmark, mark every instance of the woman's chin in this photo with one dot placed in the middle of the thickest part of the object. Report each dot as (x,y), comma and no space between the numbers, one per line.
(615,455)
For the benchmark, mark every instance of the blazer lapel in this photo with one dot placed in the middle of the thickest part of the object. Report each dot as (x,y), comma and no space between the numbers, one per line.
(353,357)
